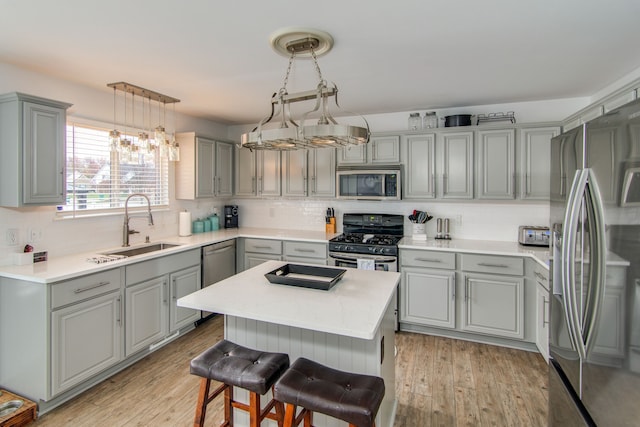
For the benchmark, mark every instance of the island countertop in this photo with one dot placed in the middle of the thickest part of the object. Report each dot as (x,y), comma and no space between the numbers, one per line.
(354,307)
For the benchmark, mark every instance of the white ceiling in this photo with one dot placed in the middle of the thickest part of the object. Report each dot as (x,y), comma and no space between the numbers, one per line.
(389,56)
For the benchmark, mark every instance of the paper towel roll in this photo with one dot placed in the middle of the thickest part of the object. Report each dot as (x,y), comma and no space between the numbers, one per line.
(184,228)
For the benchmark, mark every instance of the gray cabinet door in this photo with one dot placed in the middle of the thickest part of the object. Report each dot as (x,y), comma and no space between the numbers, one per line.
(428,297)
(384,149)
(224,169)
(353,155)
(535,166)
(542,320)
(146,314)
(251,259)
(183,283)
(86,339)
(294,173)
(245,172)
(496,164)
(205,161)
(457,165)
(420,166)
(268,163)
(322,172)
(494,305)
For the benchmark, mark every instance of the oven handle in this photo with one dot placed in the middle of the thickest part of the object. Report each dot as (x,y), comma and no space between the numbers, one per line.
(350,258)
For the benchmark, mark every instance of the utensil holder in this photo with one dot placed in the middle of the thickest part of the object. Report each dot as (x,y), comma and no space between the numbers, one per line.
(419,231)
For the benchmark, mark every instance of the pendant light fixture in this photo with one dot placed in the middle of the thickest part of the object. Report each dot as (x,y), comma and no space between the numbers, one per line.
(135,152)
(289,134)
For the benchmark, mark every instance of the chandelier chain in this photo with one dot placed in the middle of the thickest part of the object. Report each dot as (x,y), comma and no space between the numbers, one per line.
(315,62)
(286,76)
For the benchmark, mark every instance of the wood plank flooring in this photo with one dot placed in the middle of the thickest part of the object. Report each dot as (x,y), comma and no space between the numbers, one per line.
(439,382)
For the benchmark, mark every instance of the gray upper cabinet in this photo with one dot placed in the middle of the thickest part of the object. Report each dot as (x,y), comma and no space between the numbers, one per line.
(205,167)
(456,165)
(379,150)
(534,162)
(309,173)
(32,140)
(495,178)
(257,173)
(420,166)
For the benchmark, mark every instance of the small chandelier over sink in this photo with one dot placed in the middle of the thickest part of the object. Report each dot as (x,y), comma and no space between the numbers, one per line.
(290,134)
(131,151)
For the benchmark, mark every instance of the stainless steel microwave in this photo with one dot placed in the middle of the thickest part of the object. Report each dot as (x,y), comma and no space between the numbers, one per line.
(368,184)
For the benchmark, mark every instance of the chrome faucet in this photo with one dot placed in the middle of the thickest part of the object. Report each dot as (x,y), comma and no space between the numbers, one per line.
(125,230)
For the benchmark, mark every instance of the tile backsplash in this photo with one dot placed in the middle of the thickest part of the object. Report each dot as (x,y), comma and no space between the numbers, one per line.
(39,227)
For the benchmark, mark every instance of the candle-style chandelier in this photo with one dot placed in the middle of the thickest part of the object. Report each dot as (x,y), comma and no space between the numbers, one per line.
(290,134)
(134,149)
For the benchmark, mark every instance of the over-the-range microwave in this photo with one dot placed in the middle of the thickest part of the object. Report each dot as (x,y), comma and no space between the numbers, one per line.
(368,184)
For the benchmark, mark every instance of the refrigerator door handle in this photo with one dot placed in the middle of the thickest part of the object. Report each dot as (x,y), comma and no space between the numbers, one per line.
(597,258)
(569,237)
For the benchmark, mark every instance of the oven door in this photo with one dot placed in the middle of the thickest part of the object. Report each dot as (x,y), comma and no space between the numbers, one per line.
(350,260)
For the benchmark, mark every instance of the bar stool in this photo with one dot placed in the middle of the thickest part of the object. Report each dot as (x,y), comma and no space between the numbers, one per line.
(349,397)
(234,365)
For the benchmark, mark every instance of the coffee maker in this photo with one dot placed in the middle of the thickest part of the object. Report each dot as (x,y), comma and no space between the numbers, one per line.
(231,216)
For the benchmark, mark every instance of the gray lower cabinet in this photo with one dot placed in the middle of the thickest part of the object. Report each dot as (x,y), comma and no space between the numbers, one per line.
(541,280)
(305,252)
(151,311)
(428,297)
(33,142)
(79,352)
(257,251)
(494,305)
(466,295)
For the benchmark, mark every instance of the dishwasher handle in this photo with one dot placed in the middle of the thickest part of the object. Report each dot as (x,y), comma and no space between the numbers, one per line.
(217,248)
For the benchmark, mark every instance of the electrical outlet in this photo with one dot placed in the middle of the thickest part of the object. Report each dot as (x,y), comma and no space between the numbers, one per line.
(458,219)
(13,235)
(35,234)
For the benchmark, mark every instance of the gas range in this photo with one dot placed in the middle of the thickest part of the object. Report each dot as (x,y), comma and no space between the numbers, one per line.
(365,243)
(373,234)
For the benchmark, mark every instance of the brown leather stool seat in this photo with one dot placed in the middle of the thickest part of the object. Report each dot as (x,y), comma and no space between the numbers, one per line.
(349,397)
(234,365)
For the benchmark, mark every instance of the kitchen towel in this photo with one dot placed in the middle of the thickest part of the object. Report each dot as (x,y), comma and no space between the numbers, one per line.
(366,264)
(184,226)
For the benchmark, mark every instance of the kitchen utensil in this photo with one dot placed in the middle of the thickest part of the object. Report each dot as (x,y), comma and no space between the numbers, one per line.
(457,120)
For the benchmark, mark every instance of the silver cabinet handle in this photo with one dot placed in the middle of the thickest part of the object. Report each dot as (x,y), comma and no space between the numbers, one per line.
(263,247)
(305,250)
(433,184)
(486,264)
(545,316)
(540,276)
(466,288)
(88,288)
(164,291)
(436,260)
(119,313)
(453,286)
(174,290)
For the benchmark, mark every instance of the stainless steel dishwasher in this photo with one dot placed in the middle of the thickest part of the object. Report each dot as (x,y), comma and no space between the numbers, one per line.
(218,263)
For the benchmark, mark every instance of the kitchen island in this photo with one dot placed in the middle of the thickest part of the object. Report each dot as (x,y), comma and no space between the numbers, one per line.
(350,327)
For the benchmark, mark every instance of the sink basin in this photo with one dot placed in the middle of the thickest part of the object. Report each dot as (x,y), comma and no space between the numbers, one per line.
(139,250)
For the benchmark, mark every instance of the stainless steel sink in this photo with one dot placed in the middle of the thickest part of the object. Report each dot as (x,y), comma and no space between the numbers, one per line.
(139,250)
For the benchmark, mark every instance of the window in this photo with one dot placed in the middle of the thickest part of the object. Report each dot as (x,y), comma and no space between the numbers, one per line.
(99,181)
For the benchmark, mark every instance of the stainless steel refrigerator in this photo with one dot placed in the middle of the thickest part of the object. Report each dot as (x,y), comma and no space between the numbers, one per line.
(594,311)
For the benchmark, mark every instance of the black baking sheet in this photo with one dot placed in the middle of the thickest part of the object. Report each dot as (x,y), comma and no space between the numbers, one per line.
(306,276)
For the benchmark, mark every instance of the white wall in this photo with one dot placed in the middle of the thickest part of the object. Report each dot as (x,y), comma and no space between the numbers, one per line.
(60,237)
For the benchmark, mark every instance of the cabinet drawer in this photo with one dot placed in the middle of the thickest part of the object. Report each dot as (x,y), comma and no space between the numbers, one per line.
(432,259)
(493,264)
(263,246)
(305,249)
(74,290)
(145,270)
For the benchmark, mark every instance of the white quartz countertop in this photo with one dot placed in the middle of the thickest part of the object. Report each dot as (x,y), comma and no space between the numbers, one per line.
(487,247)
(66,267)
(354,307)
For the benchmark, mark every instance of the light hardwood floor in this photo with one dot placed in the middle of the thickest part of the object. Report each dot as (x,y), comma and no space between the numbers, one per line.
(439,382)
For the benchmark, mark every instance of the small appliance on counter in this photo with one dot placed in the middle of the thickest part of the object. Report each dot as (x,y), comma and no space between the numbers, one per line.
(231,216)
(530,235)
